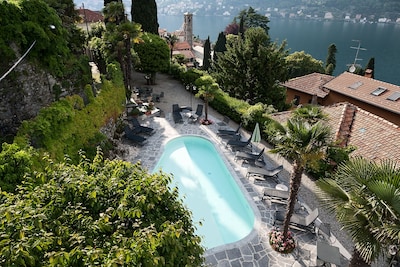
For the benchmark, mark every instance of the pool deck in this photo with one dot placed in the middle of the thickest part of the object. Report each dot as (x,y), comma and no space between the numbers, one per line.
(254,250)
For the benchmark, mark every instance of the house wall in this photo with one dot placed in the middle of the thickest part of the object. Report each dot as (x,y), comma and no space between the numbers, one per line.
(334,97)
(304,98)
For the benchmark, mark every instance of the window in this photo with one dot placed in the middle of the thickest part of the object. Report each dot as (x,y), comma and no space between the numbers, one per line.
(379,91)
(296,100)
(355,85)
(394,97)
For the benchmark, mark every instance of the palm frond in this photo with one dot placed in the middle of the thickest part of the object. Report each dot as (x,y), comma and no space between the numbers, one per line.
(365,197)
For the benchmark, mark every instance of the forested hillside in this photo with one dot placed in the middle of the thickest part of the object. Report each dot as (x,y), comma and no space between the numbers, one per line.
(340,8)
(377,8)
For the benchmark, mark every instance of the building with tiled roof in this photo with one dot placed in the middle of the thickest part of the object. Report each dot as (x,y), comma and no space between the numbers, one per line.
(373,137)
(89,18)
(184,48)
(307,89)
(377,97)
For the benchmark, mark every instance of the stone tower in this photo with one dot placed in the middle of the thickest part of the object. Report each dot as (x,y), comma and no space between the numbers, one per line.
(188,28)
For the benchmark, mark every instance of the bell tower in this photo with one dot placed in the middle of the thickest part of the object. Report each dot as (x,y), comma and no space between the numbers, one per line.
(188,28)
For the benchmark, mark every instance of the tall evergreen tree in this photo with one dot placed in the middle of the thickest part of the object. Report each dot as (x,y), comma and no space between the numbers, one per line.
(241,26)
(207,54)
(330,63)
(220,46)
(300,63)
(153,54)
(371,66)
(144,12)
(250,68)
(251,19)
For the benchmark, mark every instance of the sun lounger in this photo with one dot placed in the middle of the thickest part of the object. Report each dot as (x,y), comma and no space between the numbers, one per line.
(238,144)
(138,128)
(249,157)
(223,132)
(137,139)
(298,221)
(276,195)
(263,173)
(199,112)
(224,123)
(231,137)
(177,117)
(176,113)
(327,253)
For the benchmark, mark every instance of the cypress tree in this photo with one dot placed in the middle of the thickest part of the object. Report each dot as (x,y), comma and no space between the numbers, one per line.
(144,12)
(371,66)
(207,54)
(241,26)
(220,46)
(330,63)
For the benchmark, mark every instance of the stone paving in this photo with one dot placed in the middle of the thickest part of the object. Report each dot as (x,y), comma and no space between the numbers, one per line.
(253,250)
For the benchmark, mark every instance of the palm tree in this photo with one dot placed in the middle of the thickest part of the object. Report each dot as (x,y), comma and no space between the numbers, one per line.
(208,87)
(114,12)
(302,143)
(310,113)
(172,40)
(365,197)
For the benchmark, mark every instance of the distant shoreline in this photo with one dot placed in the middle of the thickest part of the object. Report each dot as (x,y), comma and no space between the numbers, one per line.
(299,19)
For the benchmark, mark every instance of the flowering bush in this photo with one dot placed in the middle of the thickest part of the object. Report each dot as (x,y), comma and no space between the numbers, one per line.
(276,241)
(206,122)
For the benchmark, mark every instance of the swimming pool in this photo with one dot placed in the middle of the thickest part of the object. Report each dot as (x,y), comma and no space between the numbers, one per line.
(208,190)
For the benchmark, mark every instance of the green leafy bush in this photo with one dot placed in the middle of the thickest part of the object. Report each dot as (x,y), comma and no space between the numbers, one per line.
(97,213)
(15,165)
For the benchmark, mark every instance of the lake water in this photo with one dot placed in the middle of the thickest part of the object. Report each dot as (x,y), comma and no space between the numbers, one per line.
(381,41)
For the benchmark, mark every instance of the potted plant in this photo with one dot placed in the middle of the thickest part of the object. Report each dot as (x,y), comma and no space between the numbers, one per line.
(150,107)
(207,89)
(279,243)
(135,112)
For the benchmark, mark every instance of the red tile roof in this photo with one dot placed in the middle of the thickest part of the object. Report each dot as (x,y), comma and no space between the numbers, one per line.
(182,46)
(91,16)
(361,88)
(374,137)
(312,84)
(186,53)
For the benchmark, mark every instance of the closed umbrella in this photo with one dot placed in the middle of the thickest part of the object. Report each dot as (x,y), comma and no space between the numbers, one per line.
(256,136)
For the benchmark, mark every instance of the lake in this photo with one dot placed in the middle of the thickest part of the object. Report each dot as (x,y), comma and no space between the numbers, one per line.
(381,41)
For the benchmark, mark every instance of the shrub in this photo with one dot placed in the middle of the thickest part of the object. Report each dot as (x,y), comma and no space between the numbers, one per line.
(97,213)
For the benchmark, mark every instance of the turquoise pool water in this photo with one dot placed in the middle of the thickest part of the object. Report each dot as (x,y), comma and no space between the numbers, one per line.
(208,190)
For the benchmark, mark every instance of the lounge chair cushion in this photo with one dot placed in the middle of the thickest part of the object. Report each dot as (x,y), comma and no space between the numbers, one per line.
(129,134)
(138,128)
(298,221)
(249,156)
(239,143)
(262,172)
(229,132)
(276,195)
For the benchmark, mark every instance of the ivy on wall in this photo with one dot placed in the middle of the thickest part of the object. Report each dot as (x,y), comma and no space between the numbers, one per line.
(69,125)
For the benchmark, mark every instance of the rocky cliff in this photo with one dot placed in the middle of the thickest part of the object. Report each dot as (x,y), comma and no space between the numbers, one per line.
(22,94)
